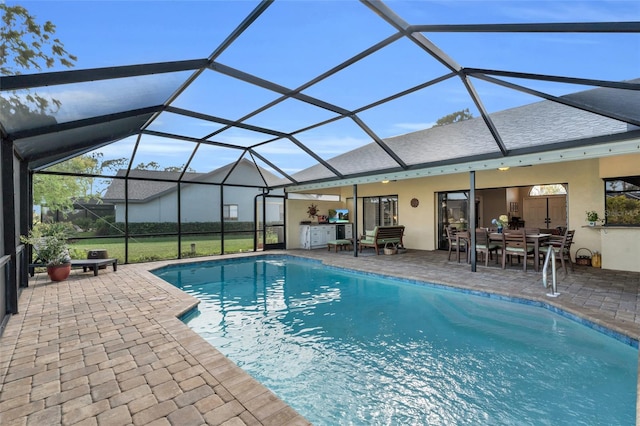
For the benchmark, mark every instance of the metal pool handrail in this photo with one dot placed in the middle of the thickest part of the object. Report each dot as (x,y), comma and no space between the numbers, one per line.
(551,255)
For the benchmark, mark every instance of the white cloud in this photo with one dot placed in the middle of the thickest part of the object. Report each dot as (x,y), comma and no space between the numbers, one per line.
(163,146)
(413,127)
(271,149)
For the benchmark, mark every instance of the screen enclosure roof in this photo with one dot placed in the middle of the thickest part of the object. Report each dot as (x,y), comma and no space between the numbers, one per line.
(328,93)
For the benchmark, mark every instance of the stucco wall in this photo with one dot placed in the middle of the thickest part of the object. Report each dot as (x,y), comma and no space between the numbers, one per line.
(200,203)
(620,165)
(620,248)
(493,204)
(585,192)
(297,212)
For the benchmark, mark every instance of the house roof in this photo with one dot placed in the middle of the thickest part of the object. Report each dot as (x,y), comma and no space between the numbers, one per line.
(528,128)
(145,185)
(154,183)
(150,105)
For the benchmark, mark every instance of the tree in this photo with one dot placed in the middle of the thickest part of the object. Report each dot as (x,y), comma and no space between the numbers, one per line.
(454,117)
(152,165)
(26,45)
(59,192)
(55,192)
(178,169)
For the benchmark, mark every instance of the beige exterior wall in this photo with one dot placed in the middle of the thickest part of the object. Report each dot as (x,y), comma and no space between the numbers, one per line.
(620,165)
(296,212)
(620,247)
(585,192)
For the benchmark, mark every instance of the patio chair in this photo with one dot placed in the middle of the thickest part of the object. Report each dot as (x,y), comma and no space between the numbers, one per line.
(452,240)
(515,244)
(485,246)
(562,248)
(463,240)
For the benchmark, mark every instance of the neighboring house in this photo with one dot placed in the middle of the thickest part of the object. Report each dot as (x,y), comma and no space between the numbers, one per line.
(155,200)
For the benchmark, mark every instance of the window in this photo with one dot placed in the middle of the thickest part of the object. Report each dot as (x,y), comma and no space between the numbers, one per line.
(230,211)
(623,201)
(544,190)
(380,211)
(453,211)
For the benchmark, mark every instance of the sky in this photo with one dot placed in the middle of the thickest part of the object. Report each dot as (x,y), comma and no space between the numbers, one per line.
(293,42)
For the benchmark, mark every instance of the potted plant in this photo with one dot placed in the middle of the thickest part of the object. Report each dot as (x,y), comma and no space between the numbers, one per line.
(592,217)
(332,215)
(50,246)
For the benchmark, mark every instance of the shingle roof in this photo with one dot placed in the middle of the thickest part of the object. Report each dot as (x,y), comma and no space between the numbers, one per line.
(140,190)
(535,125)
(145,185)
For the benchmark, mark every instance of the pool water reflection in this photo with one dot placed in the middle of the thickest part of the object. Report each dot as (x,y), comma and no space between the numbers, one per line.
(350,348)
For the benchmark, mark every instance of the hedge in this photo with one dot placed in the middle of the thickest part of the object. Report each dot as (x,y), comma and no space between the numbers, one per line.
(104,227)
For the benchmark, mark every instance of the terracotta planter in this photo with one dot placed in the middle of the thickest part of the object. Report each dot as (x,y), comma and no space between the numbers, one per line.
(59,272)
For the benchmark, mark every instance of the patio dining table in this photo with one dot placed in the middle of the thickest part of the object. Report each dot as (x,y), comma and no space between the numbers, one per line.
(535,239)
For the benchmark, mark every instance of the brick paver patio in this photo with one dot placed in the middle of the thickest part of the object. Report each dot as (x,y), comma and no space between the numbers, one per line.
(109,350)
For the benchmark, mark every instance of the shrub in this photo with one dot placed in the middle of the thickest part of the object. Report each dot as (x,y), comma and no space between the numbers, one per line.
(85,223)
(107,226)
(623,211)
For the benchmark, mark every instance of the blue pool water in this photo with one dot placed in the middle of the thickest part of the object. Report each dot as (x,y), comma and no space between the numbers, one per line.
(351,349)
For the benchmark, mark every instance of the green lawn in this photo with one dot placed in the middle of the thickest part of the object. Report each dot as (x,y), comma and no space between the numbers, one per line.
(145,249)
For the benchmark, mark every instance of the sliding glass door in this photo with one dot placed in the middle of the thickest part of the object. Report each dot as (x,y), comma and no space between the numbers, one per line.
(453,211)
(379,211)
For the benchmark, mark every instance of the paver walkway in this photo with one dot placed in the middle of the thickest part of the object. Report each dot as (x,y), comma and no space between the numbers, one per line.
(109,350)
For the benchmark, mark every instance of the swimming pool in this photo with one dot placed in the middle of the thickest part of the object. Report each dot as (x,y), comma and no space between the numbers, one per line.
(349,348)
